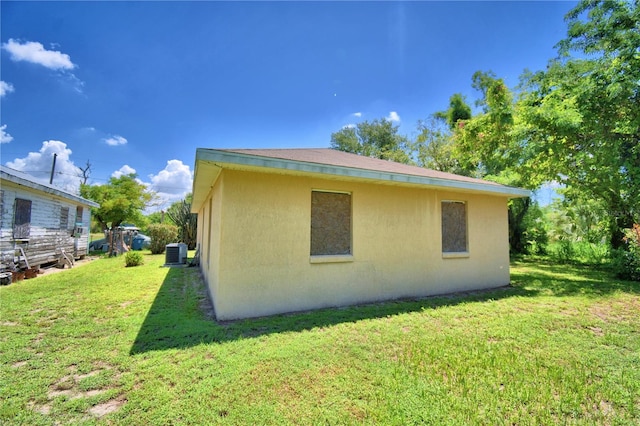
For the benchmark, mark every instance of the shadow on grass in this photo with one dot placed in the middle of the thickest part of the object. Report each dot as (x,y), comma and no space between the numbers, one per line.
(178,319)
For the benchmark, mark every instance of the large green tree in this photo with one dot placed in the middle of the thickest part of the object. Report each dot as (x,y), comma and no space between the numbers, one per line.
(122,199)
(434,146)
(487,143)
(459,110)
(377,139)
(583,112)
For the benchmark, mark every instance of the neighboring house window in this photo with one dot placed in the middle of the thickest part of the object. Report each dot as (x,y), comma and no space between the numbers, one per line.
(79,216)
(22,219)
(454,227)
(77,227)
(64,217)
(330,223)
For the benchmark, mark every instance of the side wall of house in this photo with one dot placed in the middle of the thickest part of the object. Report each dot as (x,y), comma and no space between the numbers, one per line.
(261,233)
(209,235)
(47,233)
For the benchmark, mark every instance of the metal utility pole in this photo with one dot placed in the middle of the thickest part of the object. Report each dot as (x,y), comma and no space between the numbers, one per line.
(53,168)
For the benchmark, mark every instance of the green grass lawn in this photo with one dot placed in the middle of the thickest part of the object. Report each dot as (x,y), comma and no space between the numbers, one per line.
(102,343)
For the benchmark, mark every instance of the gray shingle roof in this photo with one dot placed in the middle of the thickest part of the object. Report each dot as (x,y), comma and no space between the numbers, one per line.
(332,157)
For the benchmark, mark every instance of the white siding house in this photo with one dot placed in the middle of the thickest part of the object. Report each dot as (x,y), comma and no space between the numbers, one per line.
(40,222)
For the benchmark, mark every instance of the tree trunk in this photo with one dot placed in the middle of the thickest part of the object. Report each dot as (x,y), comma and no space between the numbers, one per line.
(618,225)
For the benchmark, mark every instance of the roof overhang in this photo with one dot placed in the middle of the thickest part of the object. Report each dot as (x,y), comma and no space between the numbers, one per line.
(8,176)
(210,162)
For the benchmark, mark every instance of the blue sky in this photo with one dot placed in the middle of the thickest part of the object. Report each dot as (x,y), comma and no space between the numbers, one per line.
(138,86)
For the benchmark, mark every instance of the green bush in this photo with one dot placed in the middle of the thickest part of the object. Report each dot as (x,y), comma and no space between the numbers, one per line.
(626,261)
(562,251)
(161,234)
(133,258)
(568,251)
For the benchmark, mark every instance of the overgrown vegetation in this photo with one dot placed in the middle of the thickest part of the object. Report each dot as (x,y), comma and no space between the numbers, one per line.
(161,234)
(102,343)
(626,261)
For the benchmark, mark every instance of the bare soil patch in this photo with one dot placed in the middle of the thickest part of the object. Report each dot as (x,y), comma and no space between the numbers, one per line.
(106,407)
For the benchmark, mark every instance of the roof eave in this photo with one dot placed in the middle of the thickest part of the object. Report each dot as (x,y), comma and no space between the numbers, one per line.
(226,157)
(48,190)
(205,175)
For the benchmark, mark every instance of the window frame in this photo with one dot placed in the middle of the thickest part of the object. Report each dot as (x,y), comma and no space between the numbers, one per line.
(64,218)
(330,257)
(22,231)
(454,253)
(79,213)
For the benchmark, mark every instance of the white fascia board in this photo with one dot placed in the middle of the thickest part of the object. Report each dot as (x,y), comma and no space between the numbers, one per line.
(204,177)
(224,157)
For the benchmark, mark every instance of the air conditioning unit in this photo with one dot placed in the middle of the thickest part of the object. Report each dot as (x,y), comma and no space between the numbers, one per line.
(176,254)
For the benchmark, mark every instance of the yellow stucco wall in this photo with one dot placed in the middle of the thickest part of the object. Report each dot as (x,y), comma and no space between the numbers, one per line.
(257,260)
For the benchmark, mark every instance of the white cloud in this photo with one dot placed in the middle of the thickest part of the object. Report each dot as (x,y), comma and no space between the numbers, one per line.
(349,126)
(357,114)
(122,171)
(5,88)
(173,182)
(393,116)
(115,140)
(35,53)
(38,164)
(4,136)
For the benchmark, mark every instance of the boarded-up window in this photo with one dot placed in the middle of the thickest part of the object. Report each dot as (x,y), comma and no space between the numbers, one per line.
(64,217)
(454,227)
(22,219)
(330,223)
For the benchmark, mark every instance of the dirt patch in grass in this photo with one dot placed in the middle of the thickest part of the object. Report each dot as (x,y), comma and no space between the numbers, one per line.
(38,339)
(596,331)
(616,310)
(54,270)
(44,409)
(70,386)
(106,407)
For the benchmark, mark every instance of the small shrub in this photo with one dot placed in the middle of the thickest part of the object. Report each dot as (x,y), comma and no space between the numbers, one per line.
(161,234)
(133,258)
(626,261)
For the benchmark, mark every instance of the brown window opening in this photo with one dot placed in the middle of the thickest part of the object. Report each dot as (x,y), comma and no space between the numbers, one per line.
(330,223)
(454,227)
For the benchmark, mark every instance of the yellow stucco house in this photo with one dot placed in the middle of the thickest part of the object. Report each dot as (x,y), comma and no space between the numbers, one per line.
(284,230)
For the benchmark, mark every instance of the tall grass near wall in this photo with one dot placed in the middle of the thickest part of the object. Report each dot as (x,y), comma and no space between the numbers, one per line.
(581,252)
